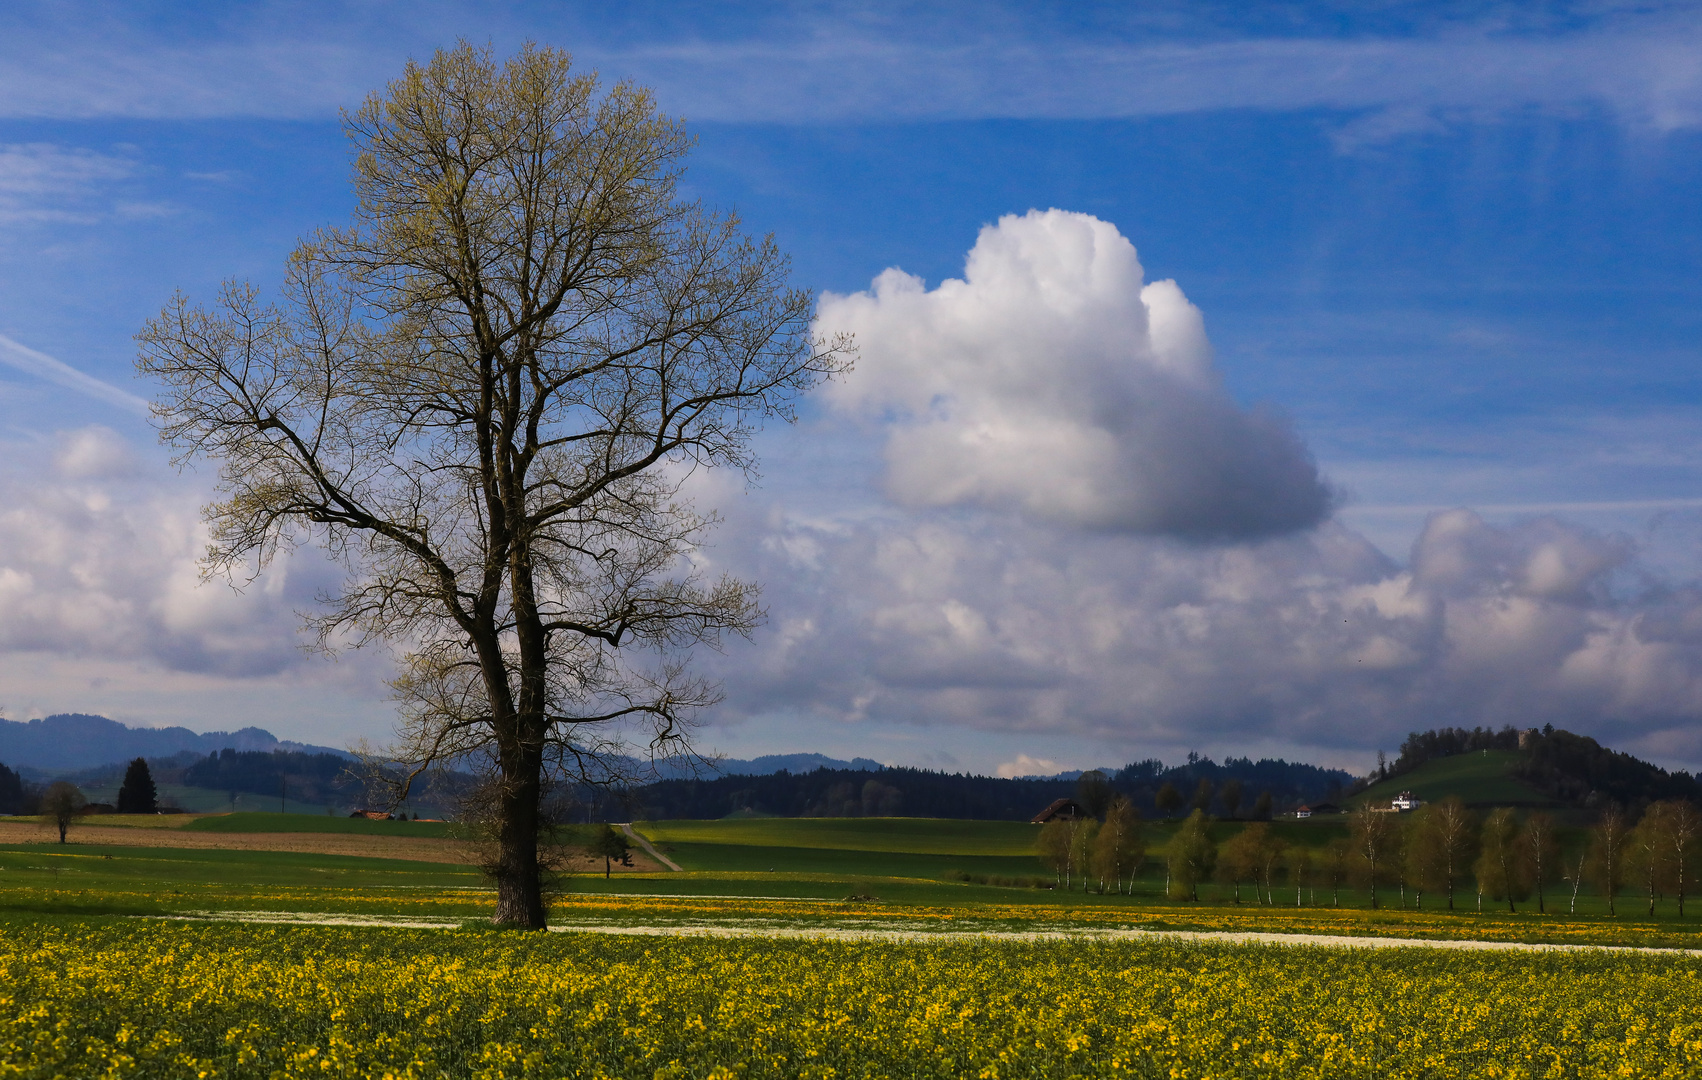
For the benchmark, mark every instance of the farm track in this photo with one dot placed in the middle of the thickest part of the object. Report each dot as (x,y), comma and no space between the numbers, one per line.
(649,848)
(410,848)
(900,933)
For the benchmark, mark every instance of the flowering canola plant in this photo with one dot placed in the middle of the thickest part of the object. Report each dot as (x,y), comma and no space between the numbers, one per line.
(150,999)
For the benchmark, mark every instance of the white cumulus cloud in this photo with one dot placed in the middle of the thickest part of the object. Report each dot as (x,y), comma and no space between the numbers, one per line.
(98,559)
(1053,380)
(1316,641)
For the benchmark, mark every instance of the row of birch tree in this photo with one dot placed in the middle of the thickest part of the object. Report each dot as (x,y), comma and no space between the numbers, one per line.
(1437,852)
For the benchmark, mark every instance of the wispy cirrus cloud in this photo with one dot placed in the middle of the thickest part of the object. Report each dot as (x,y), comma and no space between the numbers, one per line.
(32,361)
(45,182)
(833,65)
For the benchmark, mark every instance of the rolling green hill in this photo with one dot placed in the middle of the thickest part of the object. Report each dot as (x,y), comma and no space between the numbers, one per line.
(1479,778)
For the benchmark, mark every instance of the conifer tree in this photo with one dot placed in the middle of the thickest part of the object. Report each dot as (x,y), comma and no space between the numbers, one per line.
(137,794)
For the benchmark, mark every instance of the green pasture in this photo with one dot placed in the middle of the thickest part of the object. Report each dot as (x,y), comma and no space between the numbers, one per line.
(1479,779)
(120,879)
(950,864)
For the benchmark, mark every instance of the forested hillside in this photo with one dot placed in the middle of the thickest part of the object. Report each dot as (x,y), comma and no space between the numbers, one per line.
(321,778)
(903,792)
(1572,769)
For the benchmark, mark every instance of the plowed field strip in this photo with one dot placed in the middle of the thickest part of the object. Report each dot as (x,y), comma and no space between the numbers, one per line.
(411,848)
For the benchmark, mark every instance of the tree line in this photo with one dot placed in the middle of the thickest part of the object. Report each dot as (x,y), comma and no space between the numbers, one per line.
(1235,786)
(1439,849)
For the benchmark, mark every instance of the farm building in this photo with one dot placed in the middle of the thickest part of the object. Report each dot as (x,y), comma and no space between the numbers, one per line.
(1060,810)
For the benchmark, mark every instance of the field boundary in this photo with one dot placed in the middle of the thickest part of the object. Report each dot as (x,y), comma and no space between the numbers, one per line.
(896,933)
(633,834)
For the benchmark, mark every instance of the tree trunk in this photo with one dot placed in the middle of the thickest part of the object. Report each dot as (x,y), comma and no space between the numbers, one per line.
(519,879)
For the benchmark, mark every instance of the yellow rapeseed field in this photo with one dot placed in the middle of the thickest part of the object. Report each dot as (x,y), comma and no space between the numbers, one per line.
(151,999)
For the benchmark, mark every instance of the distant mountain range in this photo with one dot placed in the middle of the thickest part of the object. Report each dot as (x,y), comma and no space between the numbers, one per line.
(72,742)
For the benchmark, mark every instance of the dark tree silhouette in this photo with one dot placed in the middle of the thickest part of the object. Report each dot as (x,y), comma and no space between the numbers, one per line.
(60,805)
(137,794)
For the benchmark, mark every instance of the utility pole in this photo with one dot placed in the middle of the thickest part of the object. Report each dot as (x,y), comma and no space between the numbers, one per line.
(283,777)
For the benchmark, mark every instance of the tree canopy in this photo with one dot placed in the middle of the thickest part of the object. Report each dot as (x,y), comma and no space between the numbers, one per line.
(485,397)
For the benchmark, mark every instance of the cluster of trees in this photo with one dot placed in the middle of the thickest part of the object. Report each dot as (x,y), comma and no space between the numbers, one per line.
(1579,770)
(1094,854)
(60,799)
(842,793)
(1235,785)
(1232,796)
(321,778)
(1445,846)
(16,796)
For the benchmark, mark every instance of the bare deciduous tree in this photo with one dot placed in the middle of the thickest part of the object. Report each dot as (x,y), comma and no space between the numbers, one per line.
(1230,796)
(1372,836)
(483,397)
(1238,858)
(1056,848)
(1190,856)
(1541,848)
(1684,838)
(60,805)
(1119,848)
(1646,851)
(1607,854)
(1500,869)
(1444,835)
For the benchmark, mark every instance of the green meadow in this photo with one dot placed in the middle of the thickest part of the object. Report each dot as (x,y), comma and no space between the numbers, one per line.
(898,865)
(1479,779)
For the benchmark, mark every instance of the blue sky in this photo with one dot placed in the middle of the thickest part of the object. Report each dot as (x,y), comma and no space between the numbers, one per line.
(1455,245)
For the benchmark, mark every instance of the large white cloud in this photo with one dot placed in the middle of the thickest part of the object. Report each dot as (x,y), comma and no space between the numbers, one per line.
(1311,641)
(98,559)
(1053,380)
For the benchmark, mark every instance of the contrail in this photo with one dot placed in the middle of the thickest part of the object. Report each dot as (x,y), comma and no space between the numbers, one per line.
(44,366)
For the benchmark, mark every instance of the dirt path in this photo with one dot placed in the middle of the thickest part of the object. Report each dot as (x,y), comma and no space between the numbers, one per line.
(840,933)
(411,848)
(632,834)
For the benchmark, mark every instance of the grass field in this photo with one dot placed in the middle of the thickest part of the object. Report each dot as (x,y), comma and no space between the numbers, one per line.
(1479,779)
(804,860)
